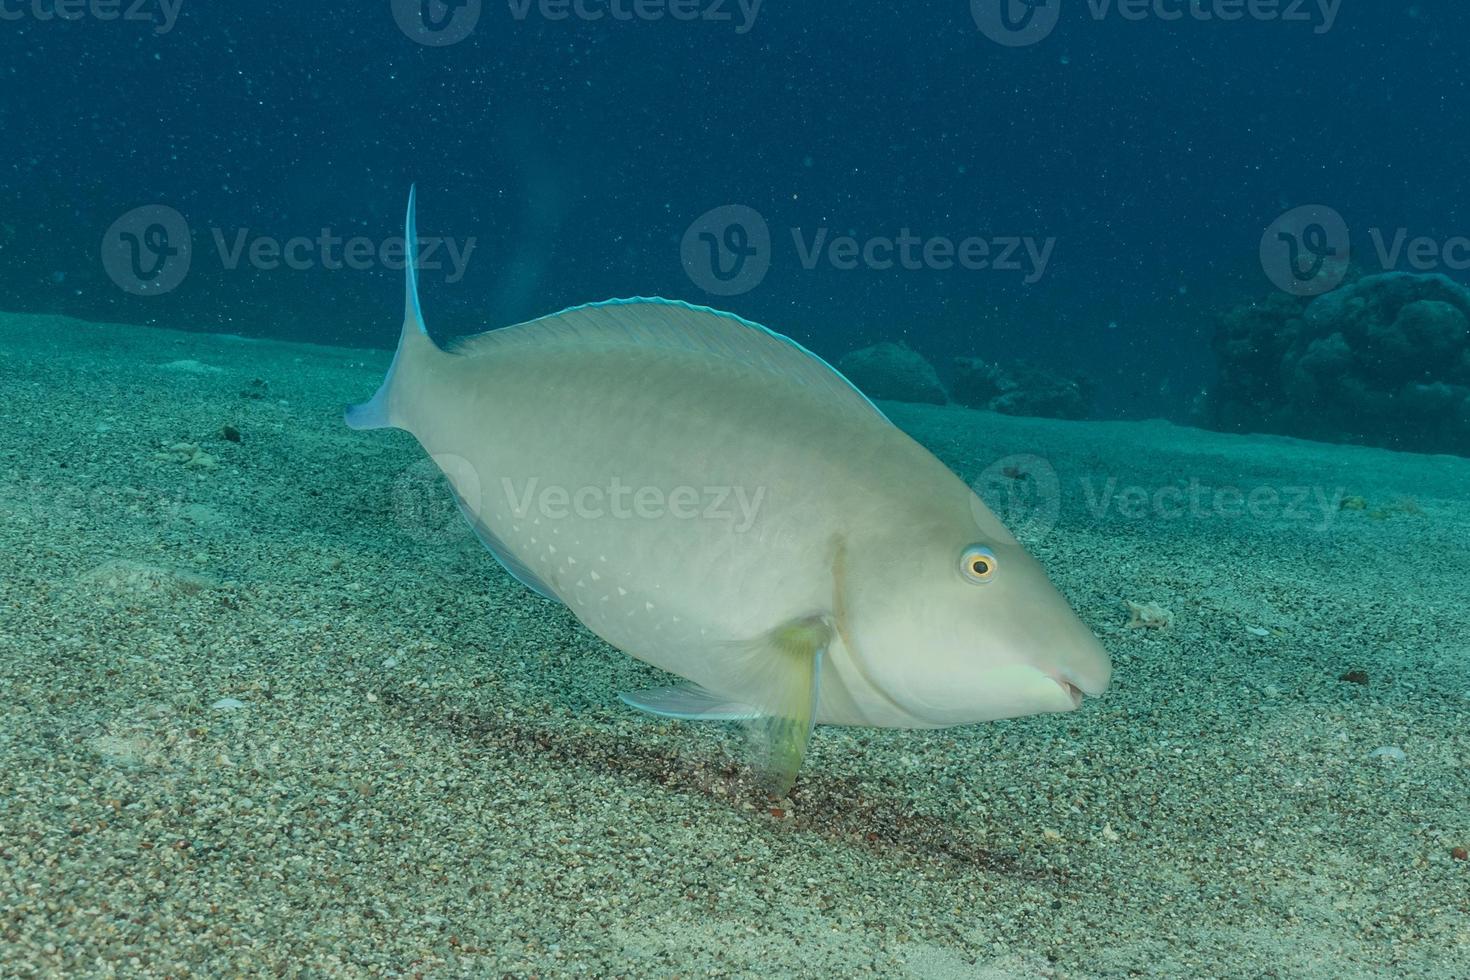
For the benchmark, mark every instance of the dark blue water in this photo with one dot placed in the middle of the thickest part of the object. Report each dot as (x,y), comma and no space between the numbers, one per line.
(576,152)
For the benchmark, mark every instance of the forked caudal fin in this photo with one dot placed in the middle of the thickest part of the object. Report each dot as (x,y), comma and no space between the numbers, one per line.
(414,344)
(647,323)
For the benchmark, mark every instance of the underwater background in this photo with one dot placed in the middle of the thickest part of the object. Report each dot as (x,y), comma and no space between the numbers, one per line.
(1181,288)
(576,150)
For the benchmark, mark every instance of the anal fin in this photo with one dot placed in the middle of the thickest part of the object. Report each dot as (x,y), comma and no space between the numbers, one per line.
(688,702)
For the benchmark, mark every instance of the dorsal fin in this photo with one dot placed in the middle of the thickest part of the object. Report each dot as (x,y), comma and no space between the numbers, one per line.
(667,324)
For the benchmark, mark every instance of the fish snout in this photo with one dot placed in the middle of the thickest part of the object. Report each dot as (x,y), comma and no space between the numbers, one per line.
(1090,679)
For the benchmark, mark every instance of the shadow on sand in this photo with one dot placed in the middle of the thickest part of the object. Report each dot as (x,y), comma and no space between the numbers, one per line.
(840,809)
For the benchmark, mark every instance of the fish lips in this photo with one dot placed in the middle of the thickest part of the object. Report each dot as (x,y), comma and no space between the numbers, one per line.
(1072,691)
(1076,685)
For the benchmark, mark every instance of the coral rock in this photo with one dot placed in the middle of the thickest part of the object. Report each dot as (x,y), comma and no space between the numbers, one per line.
(894,372)
(1019,388)
(1383,360)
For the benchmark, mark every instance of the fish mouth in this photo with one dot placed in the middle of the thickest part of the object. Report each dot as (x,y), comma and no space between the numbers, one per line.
(1082,682)
(1071,690)
(1076,688)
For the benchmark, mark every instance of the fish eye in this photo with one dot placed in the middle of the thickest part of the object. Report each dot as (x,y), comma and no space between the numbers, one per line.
(978,564)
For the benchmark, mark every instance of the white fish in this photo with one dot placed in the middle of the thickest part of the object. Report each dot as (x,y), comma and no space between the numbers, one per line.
(713,499)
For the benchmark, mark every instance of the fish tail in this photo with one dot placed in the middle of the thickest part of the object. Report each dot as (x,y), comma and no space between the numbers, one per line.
(415,348)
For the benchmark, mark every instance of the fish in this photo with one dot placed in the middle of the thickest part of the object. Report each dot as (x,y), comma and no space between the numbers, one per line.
(713,499)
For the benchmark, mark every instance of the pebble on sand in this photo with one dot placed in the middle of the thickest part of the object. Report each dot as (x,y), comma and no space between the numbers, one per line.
(1147,615)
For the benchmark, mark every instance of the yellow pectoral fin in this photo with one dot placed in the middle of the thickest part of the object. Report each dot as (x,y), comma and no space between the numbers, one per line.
(785,672)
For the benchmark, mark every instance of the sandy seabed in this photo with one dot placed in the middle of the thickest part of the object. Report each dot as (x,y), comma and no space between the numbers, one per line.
(269,708)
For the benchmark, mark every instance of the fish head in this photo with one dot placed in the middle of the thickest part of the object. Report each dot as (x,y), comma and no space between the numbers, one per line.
(957,624)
